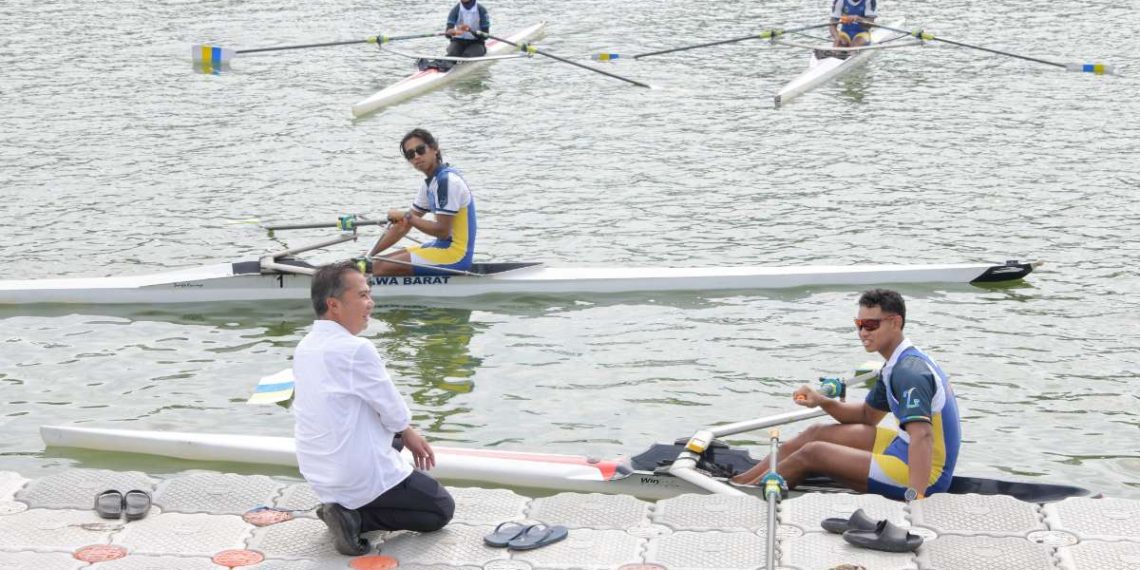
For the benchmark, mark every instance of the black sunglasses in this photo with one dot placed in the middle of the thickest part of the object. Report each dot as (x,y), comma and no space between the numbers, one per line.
(410,153)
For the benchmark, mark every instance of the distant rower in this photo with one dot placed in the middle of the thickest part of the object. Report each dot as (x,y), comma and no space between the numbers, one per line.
(445,194)
(848,22)
(466,17)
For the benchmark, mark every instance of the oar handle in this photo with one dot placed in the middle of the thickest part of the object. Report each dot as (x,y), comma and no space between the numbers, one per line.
(529,49)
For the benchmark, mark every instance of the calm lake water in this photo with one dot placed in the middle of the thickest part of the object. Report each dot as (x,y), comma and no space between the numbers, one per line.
(115,158)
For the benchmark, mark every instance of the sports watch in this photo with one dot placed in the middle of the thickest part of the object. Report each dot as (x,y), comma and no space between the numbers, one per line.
(911,494)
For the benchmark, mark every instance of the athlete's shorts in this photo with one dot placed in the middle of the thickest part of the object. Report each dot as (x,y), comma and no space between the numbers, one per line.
(848,33)
(440,253)
(890,475)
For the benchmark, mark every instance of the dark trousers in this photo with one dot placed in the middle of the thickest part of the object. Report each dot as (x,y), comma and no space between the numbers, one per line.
(466,48)
(418,503)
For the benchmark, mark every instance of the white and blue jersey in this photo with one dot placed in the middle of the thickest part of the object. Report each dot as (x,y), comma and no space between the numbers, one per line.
(862,8)
(446,192)
(914,389)
(476,17)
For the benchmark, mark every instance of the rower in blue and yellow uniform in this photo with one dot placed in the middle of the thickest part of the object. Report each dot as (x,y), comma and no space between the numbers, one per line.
(909,463)
(463,22)
(848,21)
(445,194)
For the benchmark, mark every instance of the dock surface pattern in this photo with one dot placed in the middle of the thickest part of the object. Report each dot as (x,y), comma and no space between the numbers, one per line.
(203,521)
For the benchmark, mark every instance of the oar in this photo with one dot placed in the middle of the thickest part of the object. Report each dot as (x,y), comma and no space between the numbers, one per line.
(531,50)
(769,34)
(1097,68)
(214,57)
(273,389)
(775,488)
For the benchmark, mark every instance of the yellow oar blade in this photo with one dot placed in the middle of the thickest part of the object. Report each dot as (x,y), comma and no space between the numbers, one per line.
(211,59)
(605,56)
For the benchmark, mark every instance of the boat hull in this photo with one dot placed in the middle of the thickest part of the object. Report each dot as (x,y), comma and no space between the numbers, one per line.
(426,80)
(821,71)
(541,471)
(244,281)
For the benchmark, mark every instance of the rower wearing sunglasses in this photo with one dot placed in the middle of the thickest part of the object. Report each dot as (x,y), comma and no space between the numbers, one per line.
(905,464)
(444,194)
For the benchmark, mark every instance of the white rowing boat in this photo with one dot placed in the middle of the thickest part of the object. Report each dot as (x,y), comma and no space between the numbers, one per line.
(639,476)
(282,279)
(426,80)
(824,69)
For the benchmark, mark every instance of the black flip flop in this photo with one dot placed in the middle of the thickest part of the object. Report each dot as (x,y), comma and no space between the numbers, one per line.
(504,533)
(857,521)
(136,504)
(886,537)
(537,536)
(109,504)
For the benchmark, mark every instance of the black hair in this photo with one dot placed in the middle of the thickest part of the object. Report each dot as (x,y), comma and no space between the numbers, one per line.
(423,135)
(890,302)
(328,281)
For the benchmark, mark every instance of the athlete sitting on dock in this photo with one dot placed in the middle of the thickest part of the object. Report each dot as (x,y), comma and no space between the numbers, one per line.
(443,193)
(908,464)
(849,19)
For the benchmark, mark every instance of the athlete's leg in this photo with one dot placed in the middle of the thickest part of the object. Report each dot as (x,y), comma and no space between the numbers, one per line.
(380,269)
(854,436)
(847,465)
(861,39)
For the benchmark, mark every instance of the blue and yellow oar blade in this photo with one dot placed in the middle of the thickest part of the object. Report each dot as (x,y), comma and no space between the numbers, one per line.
(273,389)
(605,56)
(211,59)
(1097,68)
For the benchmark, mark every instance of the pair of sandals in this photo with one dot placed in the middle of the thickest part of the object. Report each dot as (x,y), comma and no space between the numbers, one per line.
(866,532)
(112,504)
(517,536)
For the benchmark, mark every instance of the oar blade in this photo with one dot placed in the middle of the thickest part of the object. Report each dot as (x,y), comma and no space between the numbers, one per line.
(1095,68)
(605,56)
(211,59)
(273,389)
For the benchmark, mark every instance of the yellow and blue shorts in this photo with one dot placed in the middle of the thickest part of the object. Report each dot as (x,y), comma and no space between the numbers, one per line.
(444,253)
(848,33)
(890,475)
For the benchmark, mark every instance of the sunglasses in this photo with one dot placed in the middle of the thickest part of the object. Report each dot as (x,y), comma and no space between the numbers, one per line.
(871,324)
(420,149)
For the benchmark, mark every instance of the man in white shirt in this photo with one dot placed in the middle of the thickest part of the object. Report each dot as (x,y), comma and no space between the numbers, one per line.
(347,414)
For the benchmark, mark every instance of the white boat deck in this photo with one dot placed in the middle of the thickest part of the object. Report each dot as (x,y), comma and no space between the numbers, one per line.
(200,520)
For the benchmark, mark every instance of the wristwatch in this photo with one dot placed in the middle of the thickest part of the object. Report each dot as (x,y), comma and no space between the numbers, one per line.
(911,494)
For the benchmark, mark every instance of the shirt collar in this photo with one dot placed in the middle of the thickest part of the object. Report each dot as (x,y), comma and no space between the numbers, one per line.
(330,327)
(890,365)
(438,169)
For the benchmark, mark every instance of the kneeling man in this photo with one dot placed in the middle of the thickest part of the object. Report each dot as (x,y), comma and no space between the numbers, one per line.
(908,464)
(347,414)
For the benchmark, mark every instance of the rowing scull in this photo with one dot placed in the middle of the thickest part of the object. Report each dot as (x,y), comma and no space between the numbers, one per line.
(638,476)
(263,281)
(428,79)
(822,70)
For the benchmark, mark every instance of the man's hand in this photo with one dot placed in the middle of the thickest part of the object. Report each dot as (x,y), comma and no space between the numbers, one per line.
(422,454)
(808,397)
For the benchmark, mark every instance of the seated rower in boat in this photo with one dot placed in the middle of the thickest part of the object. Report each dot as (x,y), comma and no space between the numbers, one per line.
(445,194)
(907,464)
(849,19)
(467,17)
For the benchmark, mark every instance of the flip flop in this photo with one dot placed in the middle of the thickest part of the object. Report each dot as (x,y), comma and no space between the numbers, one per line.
(537,536)
(109,504)
(886,537)
(504,533)
(136,504)
(857,521)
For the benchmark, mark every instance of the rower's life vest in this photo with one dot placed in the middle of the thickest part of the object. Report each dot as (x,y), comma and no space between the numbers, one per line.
(943,408)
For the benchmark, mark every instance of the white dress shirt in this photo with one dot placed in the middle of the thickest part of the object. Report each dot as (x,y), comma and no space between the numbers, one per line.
(346,411)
